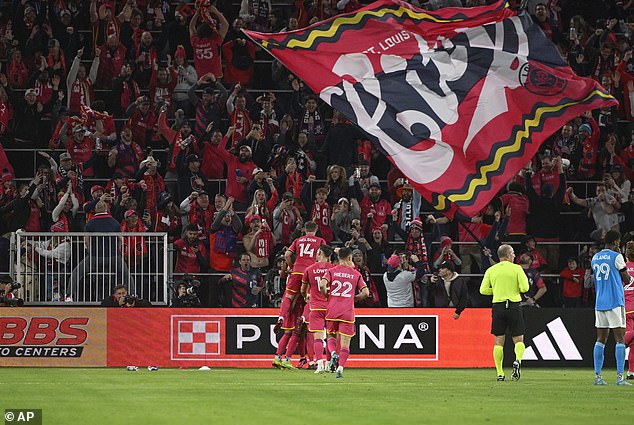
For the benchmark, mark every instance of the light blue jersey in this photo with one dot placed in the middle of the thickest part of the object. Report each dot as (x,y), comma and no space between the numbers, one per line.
(607,279)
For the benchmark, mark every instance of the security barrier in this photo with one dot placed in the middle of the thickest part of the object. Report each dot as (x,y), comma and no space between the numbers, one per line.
(85,267)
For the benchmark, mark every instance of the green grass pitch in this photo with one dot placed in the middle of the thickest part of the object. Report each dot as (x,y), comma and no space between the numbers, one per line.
(364,396)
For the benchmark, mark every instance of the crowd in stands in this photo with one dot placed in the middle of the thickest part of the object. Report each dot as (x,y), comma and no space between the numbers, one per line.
(167,115)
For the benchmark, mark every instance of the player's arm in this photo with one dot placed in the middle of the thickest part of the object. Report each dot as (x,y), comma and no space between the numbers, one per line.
(485,286)
(619,262)
(625,276)
(362,295)
(288,256)
(305,283)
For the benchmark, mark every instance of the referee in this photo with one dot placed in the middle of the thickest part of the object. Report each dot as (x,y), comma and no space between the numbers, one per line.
(505,281)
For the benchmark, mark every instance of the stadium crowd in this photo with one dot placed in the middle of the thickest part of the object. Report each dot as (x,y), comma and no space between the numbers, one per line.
(166,117)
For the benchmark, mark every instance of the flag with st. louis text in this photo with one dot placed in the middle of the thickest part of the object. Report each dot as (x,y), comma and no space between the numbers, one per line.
(459,99)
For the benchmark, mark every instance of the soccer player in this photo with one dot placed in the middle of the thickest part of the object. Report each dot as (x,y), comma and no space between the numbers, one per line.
(628,290)
(305,250)
(505,281)
(610,272)
(317,303)
(339,285)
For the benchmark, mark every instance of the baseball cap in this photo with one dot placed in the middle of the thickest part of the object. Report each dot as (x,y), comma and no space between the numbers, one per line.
(208,90)
(130,213)
(30,92)
(145,100)
(447,265)
(65,156)
(64,12)
(364,162)
(96,188)
(192,158)
(374,184)
(247,147)
(257,170)
(250,219)
(343,200)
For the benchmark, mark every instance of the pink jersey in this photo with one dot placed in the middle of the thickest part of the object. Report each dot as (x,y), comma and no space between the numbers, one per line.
(312,277)
(305,250)
(343,282)
(629,288)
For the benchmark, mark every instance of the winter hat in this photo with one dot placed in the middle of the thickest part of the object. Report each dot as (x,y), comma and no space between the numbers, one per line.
(180,52)
(586,128)
(416,223)
(394,261)
(445,241)
(6,176)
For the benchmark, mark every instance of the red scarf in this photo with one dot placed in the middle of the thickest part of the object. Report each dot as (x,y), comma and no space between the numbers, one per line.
(203,218)
(151,194)
(241,123)
(289,221)
(52,61)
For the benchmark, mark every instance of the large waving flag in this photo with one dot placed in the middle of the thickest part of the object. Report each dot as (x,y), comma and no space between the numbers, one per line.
(459,99)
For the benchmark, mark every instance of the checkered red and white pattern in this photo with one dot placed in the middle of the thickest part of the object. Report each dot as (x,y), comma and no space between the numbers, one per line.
(198,337)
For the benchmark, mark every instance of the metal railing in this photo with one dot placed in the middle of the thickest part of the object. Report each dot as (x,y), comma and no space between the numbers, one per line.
(84,268)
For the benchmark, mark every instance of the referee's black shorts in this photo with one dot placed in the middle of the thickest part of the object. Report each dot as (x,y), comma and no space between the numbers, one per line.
(507,318)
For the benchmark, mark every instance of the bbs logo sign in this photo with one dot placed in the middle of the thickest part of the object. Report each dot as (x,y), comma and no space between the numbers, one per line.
(42,336)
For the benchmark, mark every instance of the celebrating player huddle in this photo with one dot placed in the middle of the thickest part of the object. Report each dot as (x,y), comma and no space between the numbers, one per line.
(326,305)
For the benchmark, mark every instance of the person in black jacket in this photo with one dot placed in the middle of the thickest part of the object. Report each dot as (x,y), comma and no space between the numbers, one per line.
(449,289)
(17,212)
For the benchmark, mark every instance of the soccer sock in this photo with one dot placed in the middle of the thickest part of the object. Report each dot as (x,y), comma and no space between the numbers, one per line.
(343,356)
(498,357)
(318,346)
(519,351)
(302,346)
(310,345)
(292,345)
(332,344)
(281,346)
(619,353)
(599,349)
(285,306)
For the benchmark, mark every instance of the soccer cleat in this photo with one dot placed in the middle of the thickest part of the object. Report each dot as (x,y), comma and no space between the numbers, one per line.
(302,362)
(339,373)
(312,366)
(517,366)
(278,325)
(599,381)
(623,383)
(334,362)
(630,376)
(320,368)
(277,363)
(500,378)
(286,364)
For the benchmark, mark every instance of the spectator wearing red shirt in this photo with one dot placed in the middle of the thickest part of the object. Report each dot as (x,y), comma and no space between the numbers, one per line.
(200,212)
(206,42)
(516,205)
(239,174)
(589,140)
(134,247)
(153,183)
(17,71)
(162,84)
(142,120)
(374,210)
(213,167)
(548,174)
(537,288)
(529,246)
(80,147)
(239,55)
(168,217)
(191,254)
(112,58)
(573,277)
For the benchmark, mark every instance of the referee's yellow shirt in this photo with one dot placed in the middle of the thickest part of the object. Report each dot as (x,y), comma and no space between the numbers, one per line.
(505,281)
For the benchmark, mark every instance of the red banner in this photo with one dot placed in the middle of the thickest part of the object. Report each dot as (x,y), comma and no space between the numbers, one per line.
(459,99)
(245,338)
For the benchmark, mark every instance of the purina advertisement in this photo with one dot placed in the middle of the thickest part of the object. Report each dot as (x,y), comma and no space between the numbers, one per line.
(386,338)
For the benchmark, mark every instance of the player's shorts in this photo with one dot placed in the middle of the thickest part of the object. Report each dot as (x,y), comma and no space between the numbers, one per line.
(610,319)
(317,320)
(290,319)
(306,312)
(294,282)
(507,318)
(341,328)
